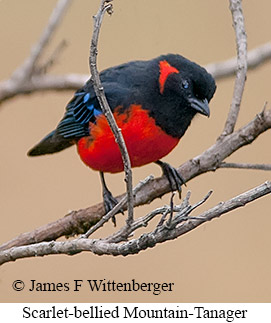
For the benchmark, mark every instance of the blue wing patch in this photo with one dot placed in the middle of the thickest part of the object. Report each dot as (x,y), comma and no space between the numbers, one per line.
(80,111)
(84,110)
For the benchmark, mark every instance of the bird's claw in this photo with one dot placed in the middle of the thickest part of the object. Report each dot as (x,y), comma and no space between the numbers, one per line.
(109,203)
(174,178)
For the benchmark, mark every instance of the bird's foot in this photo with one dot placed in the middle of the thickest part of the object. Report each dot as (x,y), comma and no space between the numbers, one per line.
(109,200)
(109,203)
(174,178)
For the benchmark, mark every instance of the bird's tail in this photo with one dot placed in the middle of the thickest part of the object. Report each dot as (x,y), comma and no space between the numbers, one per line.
(52,143)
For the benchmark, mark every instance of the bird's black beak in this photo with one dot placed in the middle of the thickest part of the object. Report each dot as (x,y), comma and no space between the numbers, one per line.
(200,106)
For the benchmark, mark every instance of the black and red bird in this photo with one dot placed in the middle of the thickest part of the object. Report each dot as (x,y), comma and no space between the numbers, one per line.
(153,103)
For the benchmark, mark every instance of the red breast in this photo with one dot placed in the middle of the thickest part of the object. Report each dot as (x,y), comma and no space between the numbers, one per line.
(146,142)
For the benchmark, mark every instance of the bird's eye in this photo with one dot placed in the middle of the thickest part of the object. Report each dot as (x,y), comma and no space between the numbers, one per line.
(185,84)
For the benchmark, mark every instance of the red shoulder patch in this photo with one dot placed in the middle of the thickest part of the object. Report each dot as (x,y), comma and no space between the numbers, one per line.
(165,70)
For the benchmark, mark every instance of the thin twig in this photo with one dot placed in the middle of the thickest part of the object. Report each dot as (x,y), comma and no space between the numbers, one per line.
(168,223)
(241,46)
(43,69)
(126,231)
(146,240)
(106,6)
(246,166)
(183,214)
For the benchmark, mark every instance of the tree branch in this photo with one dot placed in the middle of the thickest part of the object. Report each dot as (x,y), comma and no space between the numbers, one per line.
(181,224)
(241,45)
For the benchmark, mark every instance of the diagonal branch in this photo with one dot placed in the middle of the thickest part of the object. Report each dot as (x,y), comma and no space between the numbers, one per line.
(182,224)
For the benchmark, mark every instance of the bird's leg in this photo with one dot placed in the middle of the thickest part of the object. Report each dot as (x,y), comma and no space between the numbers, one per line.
(109,201)
(175,179)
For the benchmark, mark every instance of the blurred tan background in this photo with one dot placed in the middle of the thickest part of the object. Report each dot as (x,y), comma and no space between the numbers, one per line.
(226,260)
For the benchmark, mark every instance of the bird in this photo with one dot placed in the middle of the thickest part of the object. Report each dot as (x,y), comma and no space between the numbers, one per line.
(153,102)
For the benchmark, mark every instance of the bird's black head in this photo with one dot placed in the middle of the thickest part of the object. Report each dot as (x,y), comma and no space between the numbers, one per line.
(185,88)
